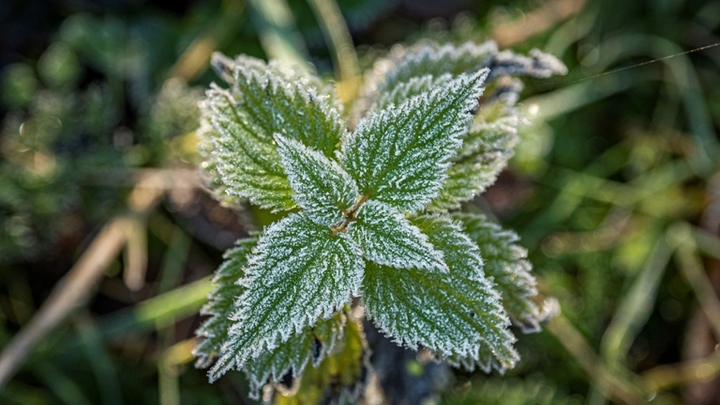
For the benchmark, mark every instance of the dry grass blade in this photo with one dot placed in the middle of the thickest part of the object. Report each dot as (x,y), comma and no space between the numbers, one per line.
(536,22)
(135,254)
(340,42)
(76,286)
(70,293)
(673,375)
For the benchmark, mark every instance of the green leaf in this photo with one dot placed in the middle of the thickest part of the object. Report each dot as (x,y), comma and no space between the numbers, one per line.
(484,153)
(406,90)
(244,166)
(322,188)
(286,101)
(312,344)
(428,58)
(455,315)
(338,378)
(386,237)
(506,262)
(536,64)
(400,155)
(240,122)
(221,302)
(427,64)
(299,273)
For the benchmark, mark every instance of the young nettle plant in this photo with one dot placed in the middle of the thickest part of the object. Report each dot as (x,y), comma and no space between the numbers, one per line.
(368,213)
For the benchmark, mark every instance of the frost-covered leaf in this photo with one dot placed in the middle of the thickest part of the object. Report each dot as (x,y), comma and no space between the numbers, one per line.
(461,255)
(246,166)
(386,237)
(428,58)
(507,263)
(237,137)
(411,88)
(322,188)
(501,95)
(400,155)
(484,153)
(484,360)
(298,273)
(431,59)
(536,64)
(286,101)
(454,314)
(313,344)
(337,379)
(402,73)
(413,71)
(221,302)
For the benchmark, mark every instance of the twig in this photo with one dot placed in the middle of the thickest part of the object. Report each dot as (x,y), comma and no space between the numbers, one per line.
(136,256)
(156,312)
(68,294)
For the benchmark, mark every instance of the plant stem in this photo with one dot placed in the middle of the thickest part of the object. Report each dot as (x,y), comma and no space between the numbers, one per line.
(349,215)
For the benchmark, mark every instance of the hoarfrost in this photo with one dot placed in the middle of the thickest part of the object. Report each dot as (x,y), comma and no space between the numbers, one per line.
(288,291)
(412,142)
(507,263)
(455,314)
(387,237)
(321,187)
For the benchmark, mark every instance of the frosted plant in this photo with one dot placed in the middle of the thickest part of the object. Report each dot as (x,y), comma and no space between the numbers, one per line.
(366,214)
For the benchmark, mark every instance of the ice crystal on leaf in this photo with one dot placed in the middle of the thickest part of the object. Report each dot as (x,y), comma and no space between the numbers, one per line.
(483,154)
(312,344)
(433,60)
(368,216)
(428,58)
(488,144)
(413,87)
(338,378)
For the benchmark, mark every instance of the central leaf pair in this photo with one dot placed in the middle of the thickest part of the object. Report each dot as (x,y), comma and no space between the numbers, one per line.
(330,198)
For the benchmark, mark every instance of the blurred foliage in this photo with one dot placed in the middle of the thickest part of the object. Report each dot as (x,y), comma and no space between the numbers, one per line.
(614,191)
